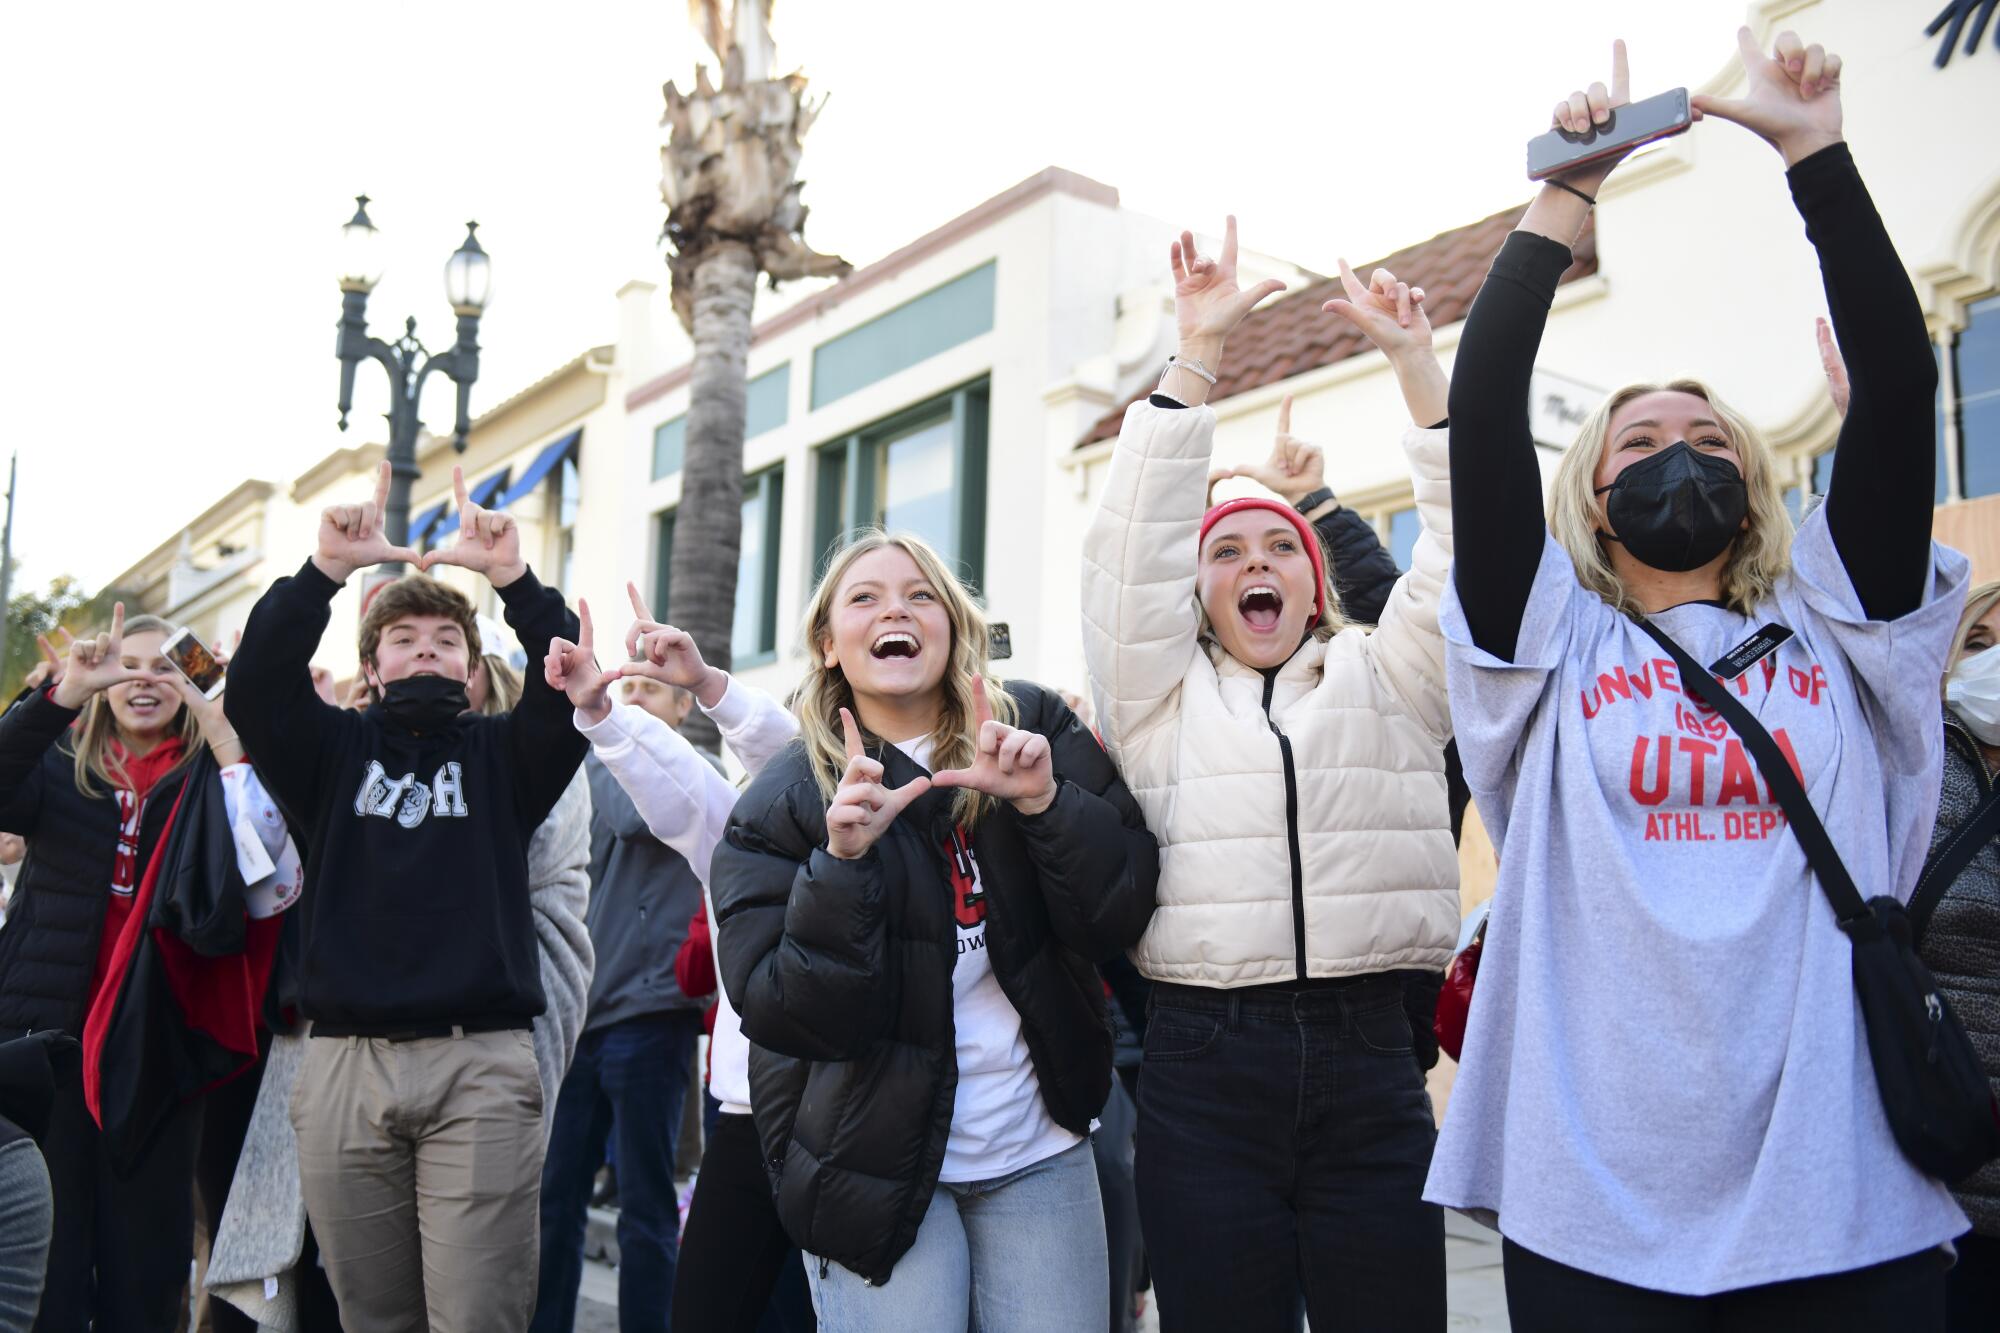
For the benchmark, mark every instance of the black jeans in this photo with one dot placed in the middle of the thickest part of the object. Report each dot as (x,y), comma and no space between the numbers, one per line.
(1905,1294)
(625,1084)
(739,1272)
(1972,1291)
(1283,1143)
(122,1245)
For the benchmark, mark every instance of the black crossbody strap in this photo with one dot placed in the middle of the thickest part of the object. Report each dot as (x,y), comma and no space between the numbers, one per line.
(1825,861)
(1951,859)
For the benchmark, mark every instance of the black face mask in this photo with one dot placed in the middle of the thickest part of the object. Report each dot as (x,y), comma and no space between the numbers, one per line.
(1677,510)
(424,703)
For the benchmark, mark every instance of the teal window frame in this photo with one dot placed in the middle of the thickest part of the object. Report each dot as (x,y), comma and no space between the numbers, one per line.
(947,315)
(768,487)
(669,447)
(845,502)
(767,405)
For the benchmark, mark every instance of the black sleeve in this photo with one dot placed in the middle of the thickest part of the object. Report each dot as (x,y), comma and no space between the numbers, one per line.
(1496,485)
(801,936)
(27,731)
(1879,505)
(286,728)
(1363,570)
(1099,867)
(545,745)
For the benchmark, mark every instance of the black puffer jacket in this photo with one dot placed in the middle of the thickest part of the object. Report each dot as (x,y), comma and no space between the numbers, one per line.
(1961,944)
(48,948)
(842,971)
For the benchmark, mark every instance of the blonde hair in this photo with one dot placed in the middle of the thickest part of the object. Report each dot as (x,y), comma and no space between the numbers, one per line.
(1978,601)
(90,742)
(824,691)
(503,685)
(1759,556)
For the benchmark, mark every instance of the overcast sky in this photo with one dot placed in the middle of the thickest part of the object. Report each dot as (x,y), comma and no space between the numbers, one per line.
(176,176)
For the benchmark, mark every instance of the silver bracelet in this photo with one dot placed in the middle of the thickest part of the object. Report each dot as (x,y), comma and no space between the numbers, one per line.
(1194,367)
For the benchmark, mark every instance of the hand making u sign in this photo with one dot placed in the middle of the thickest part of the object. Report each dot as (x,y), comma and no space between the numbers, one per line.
(668,654)
(573,669)
(96,662)
(863,808)
(1008,763)
(351,537)
(488,540)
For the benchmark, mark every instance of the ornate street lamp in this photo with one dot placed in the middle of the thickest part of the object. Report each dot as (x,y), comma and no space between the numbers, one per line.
(468,283)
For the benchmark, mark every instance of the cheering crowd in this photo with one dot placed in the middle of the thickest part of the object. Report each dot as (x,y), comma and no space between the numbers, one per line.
(376,983)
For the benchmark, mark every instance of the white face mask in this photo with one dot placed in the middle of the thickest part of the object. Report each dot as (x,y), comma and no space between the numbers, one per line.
(1973,691)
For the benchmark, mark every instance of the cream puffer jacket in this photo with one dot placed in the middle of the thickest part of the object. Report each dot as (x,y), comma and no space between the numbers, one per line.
(1301,813)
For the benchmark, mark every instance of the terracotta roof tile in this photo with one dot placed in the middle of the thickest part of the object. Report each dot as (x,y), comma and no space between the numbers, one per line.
(1292,336)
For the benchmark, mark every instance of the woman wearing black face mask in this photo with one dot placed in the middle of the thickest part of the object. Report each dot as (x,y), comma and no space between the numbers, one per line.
(1665,1102)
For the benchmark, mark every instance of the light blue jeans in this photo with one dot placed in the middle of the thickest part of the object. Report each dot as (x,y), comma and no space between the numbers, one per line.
(1020,1254)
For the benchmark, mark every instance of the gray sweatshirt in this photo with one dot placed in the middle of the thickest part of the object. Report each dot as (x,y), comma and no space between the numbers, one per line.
(642,895)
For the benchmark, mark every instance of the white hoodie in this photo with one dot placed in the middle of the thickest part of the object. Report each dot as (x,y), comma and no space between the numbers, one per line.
(686,805)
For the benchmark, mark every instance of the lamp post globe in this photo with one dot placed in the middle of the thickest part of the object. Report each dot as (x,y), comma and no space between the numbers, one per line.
(468,285)
(360,250)
(468,275)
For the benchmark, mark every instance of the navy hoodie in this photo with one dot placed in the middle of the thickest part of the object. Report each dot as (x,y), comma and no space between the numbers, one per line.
(415,908)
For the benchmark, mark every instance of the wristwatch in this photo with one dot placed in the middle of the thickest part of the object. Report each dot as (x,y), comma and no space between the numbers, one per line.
(1308,503)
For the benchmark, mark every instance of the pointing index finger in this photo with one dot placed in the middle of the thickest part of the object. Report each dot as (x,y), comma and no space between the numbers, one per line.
(1229,244)
(117,624)
(382,487)
(1621,76)
(1285,416)
(982,711)
(638,602)
(458,494)
(852,734)
(584,639)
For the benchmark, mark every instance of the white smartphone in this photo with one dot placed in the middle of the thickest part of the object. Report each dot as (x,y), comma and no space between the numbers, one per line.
(192,658)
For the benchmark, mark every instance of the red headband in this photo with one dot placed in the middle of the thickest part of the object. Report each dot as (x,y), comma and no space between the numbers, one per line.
(1307,537)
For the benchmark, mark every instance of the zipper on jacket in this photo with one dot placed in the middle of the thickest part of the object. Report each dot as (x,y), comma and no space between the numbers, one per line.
(1291,826)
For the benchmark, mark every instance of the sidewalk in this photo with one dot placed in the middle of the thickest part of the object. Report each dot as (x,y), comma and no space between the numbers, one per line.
(1473,1289)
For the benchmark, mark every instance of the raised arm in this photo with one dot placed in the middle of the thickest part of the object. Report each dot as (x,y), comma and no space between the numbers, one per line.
(546,749)
(1878,508)
(1496,484)
(680,794)
(1139,618)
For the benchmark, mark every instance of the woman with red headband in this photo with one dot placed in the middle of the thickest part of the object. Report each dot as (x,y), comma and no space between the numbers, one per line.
(1291,766)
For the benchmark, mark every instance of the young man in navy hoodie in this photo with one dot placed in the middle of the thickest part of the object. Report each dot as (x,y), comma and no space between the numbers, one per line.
(419,1107)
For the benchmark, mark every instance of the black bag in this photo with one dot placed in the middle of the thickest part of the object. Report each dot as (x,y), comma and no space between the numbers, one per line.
(1934,1090)
(1949,861)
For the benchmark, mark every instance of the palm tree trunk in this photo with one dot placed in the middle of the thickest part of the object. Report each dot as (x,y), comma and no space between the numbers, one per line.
(708,525)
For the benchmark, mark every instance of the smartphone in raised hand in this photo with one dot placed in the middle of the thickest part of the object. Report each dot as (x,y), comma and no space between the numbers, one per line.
(1630,125)
(192,658)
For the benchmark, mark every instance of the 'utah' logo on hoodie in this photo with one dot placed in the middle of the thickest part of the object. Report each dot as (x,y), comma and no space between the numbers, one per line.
(406,800)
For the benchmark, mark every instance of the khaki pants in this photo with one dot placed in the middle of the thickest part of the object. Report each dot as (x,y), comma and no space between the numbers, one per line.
(421,1165)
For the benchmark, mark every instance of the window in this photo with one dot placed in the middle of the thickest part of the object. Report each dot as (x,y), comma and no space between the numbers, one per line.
(940,319)
(1403,529)
(767,401)
(669,445)
(921,471)
(766,406)
(753,636)
(569,500)
(1974,383)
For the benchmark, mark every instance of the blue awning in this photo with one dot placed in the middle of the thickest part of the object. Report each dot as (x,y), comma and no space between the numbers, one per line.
(481,495)
(545,463)
(421,525)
